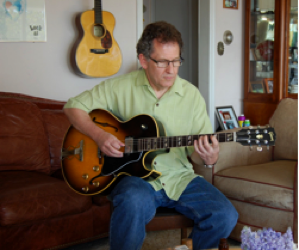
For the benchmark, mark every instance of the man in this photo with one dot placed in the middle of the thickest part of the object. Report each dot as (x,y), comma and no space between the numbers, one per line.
(157,90)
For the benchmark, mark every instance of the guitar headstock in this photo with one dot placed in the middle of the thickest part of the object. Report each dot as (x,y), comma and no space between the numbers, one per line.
(256,137)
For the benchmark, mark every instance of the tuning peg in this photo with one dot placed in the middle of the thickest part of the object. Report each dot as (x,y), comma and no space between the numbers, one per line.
(267,126)
(258,126)
(251,148)
(259,149)
(268,148)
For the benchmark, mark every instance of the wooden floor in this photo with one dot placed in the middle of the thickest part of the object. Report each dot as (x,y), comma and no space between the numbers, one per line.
(154,241)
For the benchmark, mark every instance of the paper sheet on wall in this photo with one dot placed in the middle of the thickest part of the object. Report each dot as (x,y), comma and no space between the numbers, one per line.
(22,21)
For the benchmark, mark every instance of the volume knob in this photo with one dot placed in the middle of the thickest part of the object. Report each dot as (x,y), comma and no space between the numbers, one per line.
(96,168)
(96,184)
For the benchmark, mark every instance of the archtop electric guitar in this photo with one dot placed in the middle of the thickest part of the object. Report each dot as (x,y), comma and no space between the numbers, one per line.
(88,171)
(98,54)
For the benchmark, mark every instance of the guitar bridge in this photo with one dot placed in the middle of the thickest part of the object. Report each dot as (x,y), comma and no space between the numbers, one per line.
(67,152)
(99,51)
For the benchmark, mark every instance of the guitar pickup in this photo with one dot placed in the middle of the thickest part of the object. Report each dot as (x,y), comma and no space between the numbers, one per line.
(99,51)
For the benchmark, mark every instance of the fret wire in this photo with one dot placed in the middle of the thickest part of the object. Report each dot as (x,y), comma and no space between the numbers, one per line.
(142,145)
(98,11)
(138,147)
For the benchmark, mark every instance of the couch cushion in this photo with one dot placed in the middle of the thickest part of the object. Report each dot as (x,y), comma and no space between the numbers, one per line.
(269,184)
(257,217)
(285,123)
(23,141)
(32,196)
(100,200)
(56,124)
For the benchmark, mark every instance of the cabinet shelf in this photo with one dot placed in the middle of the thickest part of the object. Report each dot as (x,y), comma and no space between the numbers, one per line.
(252,60)
(267,82)
(263,14)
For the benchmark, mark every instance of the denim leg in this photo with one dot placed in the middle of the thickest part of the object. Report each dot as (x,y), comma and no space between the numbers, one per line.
(213,214)
(134,206)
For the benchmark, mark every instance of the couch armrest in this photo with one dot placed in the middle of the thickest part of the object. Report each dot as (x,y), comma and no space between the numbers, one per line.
(234,154)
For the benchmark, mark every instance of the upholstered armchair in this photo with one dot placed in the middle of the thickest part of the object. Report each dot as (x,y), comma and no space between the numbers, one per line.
(262,185)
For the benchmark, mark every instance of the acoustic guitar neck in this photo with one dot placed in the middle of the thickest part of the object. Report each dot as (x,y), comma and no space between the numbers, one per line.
(98,12)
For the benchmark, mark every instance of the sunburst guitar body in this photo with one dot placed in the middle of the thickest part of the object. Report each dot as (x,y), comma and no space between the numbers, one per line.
(98,54)
(89,172)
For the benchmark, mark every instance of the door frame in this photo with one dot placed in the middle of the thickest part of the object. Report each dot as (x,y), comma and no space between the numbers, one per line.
(210,99)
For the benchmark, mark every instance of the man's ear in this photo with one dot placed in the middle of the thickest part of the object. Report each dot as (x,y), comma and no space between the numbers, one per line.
(143,61)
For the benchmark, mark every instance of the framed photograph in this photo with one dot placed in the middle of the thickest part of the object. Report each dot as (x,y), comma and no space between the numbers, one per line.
(227,117)
(257,87)
(269,85)
(230,4)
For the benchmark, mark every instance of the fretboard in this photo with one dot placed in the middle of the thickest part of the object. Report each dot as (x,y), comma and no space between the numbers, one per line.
(98,12)
(164,142)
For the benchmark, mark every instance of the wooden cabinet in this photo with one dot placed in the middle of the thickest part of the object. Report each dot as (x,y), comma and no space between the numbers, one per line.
(271,56)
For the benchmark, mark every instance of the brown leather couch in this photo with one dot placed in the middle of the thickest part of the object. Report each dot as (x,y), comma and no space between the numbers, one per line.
(37,209)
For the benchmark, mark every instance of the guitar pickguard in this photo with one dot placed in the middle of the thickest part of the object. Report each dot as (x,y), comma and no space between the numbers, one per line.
(115,165)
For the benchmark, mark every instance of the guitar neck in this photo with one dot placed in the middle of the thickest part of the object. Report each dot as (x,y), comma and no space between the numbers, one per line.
(164,142)
(98,11)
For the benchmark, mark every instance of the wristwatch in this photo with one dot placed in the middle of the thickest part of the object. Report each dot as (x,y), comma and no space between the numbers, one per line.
(210,165)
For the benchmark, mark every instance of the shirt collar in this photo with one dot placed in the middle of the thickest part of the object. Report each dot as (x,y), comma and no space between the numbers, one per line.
(177,87)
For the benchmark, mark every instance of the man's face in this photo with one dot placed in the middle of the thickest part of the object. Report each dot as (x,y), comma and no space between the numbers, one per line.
(161,79)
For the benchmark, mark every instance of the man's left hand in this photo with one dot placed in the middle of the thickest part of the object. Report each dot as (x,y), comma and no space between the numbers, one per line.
(208,152)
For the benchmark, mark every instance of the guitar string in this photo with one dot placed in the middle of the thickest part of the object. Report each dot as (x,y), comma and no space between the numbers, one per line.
(170,138)
(164,142)
(166,139)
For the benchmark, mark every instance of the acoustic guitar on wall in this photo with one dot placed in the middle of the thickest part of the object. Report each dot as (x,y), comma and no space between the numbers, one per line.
(98,54)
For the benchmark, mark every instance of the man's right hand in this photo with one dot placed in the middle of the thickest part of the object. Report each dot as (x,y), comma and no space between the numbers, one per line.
(107,142)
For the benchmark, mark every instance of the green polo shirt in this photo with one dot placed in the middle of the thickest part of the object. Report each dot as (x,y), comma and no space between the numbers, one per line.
(181,110)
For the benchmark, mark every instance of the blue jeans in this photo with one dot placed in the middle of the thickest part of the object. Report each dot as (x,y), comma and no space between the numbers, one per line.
(135,203)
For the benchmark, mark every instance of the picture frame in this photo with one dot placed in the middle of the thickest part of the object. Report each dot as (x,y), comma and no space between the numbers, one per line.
(268,85)
(231,4)
(257,87)
(226,117)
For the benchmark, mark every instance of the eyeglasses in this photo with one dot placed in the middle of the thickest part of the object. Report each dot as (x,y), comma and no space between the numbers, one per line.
(165,64)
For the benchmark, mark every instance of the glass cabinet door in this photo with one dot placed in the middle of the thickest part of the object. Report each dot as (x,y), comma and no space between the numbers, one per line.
(292,43)
(261,36)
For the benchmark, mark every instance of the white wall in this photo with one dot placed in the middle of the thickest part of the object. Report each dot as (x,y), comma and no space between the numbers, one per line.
(43,69)
(229,68)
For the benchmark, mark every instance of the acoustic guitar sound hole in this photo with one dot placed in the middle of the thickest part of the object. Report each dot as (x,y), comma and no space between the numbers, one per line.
(98,30)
